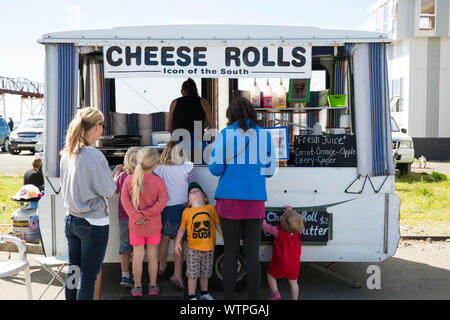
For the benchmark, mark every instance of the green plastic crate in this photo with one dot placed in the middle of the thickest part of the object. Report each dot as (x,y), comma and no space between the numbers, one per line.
(337,100)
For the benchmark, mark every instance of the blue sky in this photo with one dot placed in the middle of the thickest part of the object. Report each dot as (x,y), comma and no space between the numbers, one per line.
(23,22)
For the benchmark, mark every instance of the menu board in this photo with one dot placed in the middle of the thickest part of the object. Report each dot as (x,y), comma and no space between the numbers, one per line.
(317,225)
(325,151)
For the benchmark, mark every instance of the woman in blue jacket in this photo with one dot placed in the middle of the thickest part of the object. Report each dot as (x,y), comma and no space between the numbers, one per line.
(242,157)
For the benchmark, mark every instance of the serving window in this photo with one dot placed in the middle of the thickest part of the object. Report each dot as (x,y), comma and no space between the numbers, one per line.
(311,119)
(304,115)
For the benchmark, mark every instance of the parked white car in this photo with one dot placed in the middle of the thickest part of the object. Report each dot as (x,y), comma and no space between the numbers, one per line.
(26,136)
(403,147)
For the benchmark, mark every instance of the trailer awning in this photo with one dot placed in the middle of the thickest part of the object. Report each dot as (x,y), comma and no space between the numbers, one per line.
(214,34)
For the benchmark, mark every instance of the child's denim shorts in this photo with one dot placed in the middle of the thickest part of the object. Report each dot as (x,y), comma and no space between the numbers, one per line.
(125,245)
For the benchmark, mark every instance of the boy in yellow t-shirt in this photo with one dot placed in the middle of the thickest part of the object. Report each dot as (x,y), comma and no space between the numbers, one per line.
(200,220)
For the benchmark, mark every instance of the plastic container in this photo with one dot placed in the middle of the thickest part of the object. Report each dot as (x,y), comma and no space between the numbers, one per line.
(345,121)
(317,129)
(256,95)
(336,100)
(281,99)
(160,137)
(334,131)
(268,99)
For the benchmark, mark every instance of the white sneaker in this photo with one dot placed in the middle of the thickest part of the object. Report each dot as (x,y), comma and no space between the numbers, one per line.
(206,297)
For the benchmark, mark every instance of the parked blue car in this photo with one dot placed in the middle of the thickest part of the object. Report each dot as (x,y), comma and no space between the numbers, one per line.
(4,134)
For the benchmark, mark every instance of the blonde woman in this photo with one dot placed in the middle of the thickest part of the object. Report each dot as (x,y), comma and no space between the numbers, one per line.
(177,173)
(125,248)
(143,197)
(86,182)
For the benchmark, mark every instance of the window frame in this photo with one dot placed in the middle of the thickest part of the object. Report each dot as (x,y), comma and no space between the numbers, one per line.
(430,16)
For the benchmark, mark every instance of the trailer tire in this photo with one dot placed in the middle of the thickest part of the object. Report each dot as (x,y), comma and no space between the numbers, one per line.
(216,280)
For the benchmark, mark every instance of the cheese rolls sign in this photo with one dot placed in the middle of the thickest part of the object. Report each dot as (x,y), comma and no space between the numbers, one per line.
(207,61)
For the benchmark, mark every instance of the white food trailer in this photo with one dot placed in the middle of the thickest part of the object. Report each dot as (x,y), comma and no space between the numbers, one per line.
(344,189)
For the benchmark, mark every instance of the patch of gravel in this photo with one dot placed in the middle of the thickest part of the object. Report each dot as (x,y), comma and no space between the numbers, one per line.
(442,167)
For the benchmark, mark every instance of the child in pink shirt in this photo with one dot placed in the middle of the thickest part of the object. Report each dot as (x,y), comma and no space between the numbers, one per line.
(143,197)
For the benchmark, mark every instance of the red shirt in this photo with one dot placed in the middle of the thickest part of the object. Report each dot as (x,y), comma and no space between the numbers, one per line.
(286,252)
(152,200)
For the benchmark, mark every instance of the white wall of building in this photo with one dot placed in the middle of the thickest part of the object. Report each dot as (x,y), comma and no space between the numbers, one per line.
(444,90)
(399,62)
(421,60)
(418,87)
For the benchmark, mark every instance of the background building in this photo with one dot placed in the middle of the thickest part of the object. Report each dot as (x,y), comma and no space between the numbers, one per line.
(419,70)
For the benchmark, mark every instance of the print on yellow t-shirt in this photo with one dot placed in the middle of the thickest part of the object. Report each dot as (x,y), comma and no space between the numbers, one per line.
(200,224)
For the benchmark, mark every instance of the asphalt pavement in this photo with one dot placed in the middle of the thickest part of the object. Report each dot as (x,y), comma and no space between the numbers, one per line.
(15,164)
(418,271)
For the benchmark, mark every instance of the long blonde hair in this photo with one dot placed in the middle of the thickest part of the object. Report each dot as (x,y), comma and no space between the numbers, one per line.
(86,119)
(173,154)
(147,159)
(130,160)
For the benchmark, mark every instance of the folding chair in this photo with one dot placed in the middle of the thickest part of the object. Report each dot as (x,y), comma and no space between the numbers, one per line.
(49,263)
(12,267)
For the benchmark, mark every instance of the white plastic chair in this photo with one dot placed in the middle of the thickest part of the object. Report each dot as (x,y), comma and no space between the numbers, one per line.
(13,267)
(57,262)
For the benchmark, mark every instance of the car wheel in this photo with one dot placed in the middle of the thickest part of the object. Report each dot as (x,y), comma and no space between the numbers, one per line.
(216,280)
(13,151)
(5,147)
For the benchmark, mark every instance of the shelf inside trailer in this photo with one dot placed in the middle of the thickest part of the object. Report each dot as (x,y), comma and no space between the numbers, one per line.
(298,110)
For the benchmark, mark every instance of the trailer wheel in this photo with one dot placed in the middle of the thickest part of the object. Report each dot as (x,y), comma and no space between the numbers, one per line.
(216,280)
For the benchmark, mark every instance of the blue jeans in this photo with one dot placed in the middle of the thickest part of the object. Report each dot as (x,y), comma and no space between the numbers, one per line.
(87,248)
(125,245)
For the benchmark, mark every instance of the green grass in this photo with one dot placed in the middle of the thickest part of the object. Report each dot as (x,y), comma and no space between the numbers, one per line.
(9,185)
(425,208)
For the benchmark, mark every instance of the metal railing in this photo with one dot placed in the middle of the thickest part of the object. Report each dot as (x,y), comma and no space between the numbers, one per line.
(22,87)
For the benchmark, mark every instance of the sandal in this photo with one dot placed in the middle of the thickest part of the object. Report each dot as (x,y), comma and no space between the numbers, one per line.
(176,282)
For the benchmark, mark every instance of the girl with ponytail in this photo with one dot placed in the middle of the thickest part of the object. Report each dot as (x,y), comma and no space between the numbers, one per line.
(84,130)
(143,197)
(86,183)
